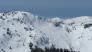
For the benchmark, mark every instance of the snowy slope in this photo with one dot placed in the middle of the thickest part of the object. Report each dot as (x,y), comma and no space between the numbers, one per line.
(20,31)
(72,33)
(16,34)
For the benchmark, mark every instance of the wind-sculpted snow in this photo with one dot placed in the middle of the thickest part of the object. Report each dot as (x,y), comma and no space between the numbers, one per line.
(24,32)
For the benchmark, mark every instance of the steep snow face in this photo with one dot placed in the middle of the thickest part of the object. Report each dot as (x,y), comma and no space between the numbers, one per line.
(17,35)
(20,31)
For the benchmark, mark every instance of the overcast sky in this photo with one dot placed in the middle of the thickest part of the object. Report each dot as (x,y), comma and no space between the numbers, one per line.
(49,7)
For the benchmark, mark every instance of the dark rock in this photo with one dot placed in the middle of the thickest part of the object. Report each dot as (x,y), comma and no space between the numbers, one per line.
(87,25)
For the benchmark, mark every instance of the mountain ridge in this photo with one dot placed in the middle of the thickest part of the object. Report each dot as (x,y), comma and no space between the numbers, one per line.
(20,29)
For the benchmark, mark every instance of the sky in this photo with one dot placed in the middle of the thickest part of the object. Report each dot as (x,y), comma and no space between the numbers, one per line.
(59,8)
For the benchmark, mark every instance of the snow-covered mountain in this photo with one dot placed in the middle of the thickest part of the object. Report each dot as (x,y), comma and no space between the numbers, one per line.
(20,31)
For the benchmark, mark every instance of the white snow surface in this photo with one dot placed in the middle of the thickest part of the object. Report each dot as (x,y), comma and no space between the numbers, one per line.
(18,29)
